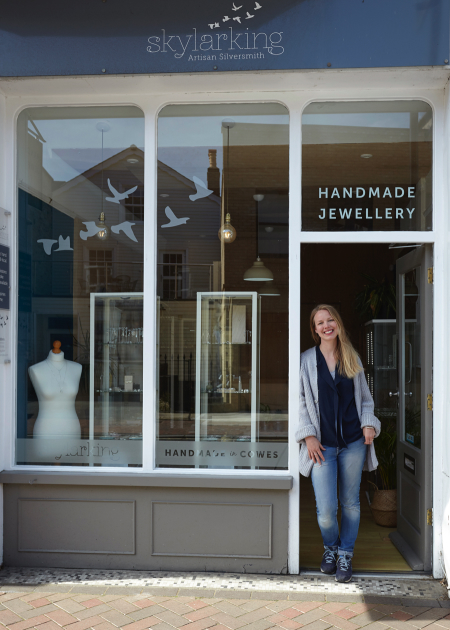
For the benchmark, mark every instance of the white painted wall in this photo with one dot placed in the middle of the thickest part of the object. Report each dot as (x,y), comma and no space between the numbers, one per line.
(3,367)
(295,90)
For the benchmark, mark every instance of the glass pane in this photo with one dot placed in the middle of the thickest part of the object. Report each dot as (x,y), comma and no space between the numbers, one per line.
(367,166)
(223,314)
(81,238)
(412,361)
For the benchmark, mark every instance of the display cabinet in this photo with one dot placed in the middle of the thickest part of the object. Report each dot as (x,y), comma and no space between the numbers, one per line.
(116,353)
(381,361)
(227,368)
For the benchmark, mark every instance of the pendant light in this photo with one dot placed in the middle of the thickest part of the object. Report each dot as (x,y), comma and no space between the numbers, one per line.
(103,231)
(227,233)
(258,272)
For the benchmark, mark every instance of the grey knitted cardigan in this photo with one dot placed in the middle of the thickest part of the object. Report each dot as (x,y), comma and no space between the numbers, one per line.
(309,420)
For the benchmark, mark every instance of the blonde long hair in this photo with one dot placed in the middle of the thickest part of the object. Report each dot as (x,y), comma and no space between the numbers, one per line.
(345,354)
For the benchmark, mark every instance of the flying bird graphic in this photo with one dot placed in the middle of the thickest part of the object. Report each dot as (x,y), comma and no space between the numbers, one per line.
(64,245)
(249,16)
(235,8)
(215,25)
(126,229)
(237,18)
(47,244)
(117,195)
(92,230)
(257,6)
(226,18)
(202,190)
(173,219)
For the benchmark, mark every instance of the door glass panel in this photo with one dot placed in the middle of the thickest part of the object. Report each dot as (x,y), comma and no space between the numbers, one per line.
(412,358)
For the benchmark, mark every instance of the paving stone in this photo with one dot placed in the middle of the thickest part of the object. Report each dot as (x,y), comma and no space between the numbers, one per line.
(387,609)
(201,624)
(62,618)
(6,597)
(18,605)
(42,610)
(142,624)
(91,612)
(197,604)
(227,620)
(288,624)
(230,608)
(124,607)
(341,623)
(177,621)
(349,598)
(50,625)
(279,606)
(306,606)
(374,626)
(268,595)
(57,597)
(104,625)
(318,625)
(70,606)
(196,592)
(416,601)
(29,623)
(360,608)
(84,623)
(37,603)
(202,613)
(367,617)
(401,615)
(332,607)
(394,623)
(292,612)
(87,588)
(428,617)
(277,618)
(304,597)
(253,604)
(90,603)
(162,626)
(124,590)
(117,618)
(154,610)
(226,594)
(143,603)
(312,615)
(260,624)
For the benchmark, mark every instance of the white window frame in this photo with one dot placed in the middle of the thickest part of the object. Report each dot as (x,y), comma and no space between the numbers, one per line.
(295,90)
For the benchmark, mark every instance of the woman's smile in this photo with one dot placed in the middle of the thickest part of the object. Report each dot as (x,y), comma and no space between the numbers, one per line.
(326,327)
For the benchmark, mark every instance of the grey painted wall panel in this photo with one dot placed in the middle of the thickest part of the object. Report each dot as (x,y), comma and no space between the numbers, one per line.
(228,530)
(143,559)
(76,526)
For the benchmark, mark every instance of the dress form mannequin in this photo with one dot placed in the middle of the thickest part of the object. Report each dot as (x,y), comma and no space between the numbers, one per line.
(56,382)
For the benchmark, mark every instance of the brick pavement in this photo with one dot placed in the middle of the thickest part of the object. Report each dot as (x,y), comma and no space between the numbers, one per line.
(84,608)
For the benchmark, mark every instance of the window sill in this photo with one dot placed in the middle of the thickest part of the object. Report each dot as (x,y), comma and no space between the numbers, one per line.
(264,481)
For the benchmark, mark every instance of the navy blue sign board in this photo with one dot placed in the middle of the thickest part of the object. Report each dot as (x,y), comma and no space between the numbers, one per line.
(94,37)
(4,277)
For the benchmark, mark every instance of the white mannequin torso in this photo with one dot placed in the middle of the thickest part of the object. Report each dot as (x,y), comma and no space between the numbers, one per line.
(56,382)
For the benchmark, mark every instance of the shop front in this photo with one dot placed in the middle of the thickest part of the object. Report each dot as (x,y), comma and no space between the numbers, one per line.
(165,238)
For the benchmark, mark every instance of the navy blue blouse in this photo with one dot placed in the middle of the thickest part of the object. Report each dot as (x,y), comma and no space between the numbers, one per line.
(339,421)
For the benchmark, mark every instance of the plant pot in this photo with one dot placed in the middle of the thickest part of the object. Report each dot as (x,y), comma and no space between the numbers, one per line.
(384,508)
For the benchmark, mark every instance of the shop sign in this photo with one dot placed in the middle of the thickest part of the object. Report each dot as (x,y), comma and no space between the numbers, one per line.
(107,452)
(217,454)
(88,38)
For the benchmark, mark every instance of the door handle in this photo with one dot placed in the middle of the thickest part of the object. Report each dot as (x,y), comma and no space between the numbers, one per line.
(410,394)
(393,394)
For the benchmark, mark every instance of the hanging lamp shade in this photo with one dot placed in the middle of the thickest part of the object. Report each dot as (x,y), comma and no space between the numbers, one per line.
(269,289)
(258,272)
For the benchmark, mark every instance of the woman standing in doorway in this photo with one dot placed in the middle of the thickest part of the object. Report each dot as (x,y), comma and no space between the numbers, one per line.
(336,432)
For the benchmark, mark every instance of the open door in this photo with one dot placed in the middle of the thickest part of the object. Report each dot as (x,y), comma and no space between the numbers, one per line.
(414,420)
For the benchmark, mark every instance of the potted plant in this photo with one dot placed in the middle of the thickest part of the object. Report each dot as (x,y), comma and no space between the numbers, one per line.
(377,298)
(384,502)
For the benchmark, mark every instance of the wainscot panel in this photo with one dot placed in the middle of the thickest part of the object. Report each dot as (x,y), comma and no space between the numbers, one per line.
(176,528)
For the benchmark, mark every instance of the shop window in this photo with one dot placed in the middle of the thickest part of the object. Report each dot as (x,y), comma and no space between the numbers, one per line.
(80,329)
(367,166)
(223,225)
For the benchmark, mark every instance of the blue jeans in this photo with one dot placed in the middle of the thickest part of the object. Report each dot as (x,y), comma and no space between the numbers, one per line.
(344,465)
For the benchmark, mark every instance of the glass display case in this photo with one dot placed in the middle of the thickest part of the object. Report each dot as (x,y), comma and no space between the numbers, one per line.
(227,378)
(381,362)
(116,347)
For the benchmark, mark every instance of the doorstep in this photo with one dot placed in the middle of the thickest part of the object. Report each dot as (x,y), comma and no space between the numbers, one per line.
(315,587)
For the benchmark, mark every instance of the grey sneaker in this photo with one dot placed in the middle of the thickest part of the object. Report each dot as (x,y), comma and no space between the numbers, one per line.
(328,564)
(344,569)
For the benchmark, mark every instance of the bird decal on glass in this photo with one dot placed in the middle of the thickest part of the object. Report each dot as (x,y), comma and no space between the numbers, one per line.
(249,16)
(202,190)
(117,195)
(92,230)
(237,19)
(173,220)
(235,8)
(257,6)
(125,227)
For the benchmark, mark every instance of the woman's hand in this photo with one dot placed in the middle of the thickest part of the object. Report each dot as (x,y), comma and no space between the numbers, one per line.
(369,434)
(315,449)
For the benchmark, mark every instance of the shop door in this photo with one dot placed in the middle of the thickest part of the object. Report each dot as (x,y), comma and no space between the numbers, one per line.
(414,420)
